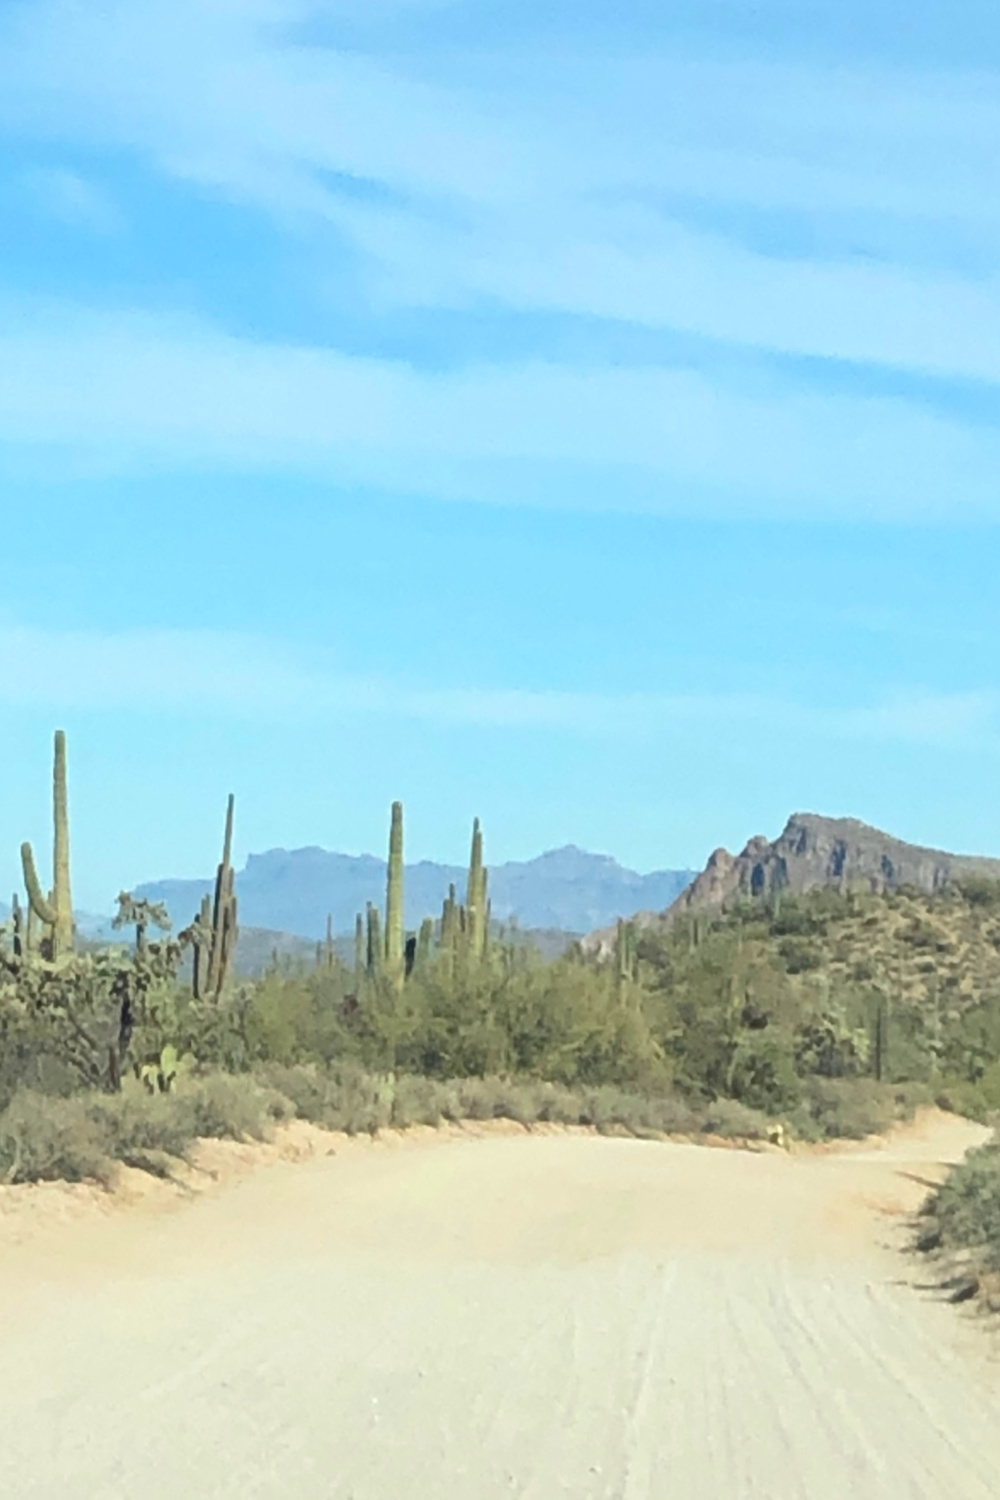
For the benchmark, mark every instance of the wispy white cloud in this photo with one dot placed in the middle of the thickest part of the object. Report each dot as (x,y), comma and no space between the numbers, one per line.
(643,267)
(134,391)
(73,198)
(230,674)
(513,185)
(950,720)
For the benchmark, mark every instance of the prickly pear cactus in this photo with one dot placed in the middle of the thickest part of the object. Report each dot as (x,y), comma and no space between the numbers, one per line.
(160,1074)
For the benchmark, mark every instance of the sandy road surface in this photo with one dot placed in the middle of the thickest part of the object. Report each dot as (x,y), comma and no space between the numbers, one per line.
(516,1316)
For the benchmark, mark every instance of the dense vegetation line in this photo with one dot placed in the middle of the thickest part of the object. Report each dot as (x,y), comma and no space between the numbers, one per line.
(830,1014)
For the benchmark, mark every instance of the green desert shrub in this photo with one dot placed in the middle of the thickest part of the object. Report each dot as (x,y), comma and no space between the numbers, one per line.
(729,1117)
(360,1103)
(853,1108)
(343,1097)
(141,1130)
(555,1104)
(613,1110)
(347,1098)
(423,1101)
(979,1099)
(306,1086)
(226,1106)
(43,1138)
(965,1211)
(497,1099)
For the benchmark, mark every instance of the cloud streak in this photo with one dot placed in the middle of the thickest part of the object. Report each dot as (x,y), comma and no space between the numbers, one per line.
(129,392)
(644,267)
(74,199)
(233,675)
(508,183)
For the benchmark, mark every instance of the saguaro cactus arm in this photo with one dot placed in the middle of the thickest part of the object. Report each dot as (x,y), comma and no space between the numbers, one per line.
(224,928)
(40,905)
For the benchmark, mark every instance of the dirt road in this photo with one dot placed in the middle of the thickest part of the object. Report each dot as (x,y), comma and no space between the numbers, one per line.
(528,1316)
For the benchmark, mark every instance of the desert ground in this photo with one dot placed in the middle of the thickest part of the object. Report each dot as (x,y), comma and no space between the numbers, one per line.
(477,1315)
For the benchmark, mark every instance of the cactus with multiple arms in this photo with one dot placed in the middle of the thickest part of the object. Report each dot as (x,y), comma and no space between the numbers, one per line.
(141,914)
(464,933)
(56,909)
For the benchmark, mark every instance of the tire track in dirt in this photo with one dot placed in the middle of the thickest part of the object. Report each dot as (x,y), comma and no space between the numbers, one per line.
(528,1317)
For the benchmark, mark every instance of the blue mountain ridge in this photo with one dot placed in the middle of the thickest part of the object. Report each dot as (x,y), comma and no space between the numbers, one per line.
(293,890)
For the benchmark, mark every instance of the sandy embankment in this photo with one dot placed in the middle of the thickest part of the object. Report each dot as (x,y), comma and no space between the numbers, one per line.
(496,1314)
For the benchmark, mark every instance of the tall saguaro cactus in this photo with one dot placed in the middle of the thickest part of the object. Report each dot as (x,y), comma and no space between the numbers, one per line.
(223,929)
(881,1049)
(450,929)
(376,942)
(425,940)
(360,952)
(395,934)
(625,955)
(56,909)
(475,900)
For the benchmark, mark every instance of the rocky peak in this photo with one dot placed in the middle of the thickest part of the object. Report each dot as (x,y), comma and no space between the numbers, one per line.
(813,852)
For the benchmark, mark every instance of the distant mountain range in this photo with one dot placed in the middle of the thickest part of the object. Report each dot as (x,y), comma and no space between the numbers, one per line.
(292,891)
(285,895)
(812,852)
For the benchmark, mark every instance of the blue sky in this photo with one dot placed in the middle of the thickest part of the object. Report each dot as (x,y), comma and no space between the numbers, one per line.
(585,417)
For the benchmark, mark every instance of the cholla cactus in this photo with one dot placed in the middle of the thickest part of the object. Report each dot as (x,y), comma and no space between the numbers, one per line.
(141,914)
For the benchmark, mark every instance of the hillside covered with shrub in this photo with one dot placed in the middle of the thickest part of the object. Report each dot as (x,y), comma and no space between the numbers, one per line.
(830,1012)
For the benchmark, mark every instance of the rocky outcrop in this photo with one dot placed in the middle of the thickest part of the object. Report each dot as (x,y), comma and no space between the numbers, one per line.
(813,852)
